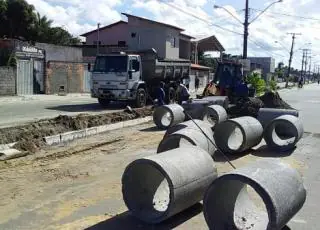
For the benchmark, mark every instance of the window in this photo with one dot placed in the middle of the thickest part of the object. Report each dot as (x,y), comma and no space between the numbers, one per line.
(96,42)
(134,64)
(172,42)
(111,64)
(121,43)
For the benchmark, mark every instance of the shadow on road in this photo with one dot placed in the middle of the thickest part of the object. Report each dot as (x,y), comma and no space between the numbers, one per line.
(151,129)
(263,151)
(126,221)
(96,107)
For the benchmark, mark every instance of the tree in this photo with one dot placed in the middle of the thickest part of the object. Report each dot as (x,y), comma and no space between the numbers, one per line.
(257,83)
(18,19)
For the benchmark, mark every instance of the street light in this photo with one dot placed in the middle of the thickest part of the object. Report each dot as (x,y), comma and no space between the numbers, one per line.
(246,23)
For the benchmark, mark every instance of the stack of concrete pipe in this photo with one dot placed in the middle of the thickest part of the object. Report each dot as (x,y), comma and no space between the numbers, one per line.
(183,172)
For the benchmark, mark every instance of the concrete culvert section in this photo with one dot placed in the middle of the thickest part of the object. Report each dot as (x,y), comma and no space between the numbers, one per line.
(157,187)
(263,195)
(215,114)
(218,100)
(196,108)
(205,126)
(266,115)
(237,135)
(283,133)
(168,115)
(188,137)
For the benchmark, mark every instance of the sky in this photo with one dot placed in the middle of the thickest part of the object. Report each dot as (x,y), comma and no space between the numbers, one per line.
(200,19)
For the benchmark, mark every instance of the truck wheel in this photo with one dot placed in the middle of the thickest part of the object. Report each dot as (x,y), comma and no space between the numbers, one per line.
(103,102)
(141,99)
(171,95)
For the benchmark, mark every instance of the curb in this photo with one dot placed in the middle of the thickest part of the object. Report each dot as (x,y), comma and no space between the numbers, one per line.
(9,153)
(73,135)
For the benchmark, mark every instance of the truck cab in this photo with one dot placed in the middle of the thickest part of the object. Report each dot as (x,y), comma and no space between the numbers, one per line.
(118,77)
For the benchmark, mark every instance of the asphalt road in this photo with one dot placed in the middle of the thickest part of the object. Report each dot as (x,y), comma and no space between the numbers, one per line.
(17,110)
(307,101)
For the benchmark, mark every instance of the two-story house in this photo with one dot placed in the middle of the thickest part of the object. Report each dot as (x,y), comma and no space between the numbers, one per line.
(141,33)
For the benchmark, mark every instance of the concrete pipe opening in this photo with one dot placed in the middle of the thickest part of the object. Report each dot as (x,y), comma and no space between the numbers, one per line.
(215,114)
(238,135)
(206,126)
(283,133)
(187,137)
(243,207)
(168,115)
(254,197)
(157,187)
(148,198)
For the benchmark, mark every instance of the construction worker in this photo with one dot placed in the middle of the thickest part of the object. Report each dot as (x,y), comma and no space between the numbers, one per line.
(160,94)
(182,93)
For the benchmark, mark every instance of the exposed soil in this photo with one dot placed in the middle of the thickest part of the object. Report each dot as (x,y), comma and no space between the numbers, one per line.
(29,137)
(251,106)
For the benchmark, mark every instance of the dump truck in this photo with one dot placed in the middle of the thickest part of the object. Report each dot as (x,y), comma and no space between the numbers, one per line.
(134,76)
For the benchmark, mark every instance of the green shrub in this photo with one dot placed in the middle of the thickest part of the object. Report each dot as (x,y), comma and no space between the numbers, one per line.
(257,83)
(273,85)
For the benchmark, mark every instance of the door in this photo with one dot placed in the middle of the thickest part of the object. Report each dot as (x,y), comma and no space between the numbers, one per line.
(24,77)
(86,81)
(38,76)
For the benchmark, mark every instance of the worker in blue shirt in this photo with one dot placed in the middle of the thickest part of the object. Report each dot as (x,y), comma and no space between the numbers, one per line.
(160,94)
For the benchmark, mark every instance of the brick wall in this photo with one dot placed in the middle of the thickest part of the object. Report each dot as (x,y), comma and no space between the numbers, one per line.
(7,81)
(70,75)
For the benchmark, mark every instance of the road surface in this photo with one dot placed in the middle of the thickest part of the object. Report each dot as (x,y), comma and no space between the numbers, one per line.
(307,101)
(78,185)
(17,110)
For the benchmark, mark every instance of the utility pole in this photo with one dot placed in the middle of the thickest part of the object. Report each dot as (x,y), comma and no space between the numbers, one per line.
(306,57)
(291,55)
(246,33)
(98,40)
(309,76)
(302,65)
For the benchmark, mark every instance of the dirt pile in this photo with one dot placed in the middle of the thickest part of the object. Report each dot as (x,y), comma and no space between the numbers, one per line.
(251,106)
(273,100)
(29,137)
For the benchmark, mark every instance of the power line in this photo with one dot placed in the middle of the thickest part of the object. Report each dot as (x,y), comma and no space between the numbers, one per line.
(289,15)
(199,18)
(264,48)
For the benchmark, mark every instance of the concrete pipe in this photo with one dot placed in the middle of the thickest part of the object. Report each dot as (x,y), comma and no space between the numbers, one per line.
(168,115)
(188,137)
(215,114)
(237,135)
(266,115)
(157,187)
(196,108)
(283,133)
(263,195)
(218,100)
(207,127)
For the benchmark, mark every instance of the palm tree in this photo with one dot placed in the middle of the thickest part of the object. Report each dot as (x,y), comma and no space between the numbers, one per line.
(42,26)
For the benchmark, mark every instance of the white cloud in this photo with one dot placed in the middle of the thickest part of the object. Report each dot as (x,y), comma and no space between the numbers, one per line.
(80,16)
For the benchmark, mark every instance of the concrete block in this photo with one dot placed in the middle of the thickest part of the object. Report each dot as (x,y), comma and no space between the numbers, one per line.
(8,154)
(7,146)
(69,136)
(91,131)
(52,140)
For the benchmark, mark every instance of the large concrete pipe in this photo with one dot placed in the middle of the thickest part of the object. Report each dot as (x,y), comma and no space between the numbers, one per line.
(157,187)
(196,108)
(218,100)
(207,127)
(237,135)
(266,115)
(275,195)
(188,137)
(168,115)
(283,133)
(215,114)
